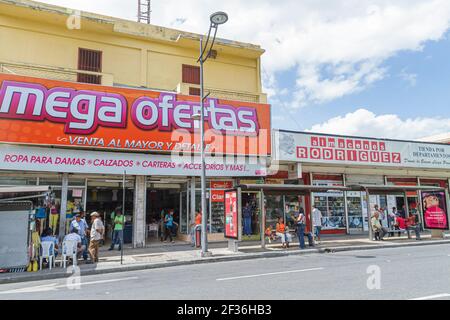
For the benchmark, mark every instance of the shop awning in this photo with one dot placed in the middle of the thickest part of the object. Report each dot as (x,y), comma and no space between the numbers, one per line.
(24,189)
(291,188)
(390,189)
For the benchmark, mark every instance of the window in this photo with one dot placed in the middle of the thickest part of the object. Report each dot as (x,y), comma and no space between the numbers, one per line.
(191,74)
(89,60)
(194,91)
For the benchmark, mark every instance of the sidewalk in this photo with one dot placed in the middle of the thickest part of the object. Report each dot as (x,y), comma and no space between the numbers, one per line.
(160,255)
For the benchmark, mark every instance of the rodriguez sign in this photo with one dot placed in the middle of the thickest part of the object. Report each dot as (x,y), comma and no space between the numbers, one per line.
(317,148)
(59,113)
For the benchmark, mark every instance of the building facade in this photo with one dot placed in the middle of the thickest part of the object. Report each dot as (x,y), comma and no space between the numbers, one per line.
(103,109)
(356,162)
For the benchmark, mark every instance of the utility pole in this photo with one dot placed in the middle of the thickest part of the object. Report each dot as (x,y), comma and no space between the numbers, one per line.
(144,11)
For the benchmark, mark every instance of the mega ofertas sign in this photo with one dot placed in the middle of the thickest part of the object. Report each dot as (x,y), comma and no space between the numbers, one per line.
(328,149)
(46,112)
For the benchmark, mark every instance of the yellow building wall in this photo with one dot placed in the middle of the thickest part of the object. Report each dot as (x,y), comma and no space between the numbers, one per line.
(131,61)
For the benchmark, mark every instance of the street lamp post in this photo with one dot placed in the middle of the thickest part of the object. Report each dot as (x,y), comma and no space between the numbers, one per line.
(216,19)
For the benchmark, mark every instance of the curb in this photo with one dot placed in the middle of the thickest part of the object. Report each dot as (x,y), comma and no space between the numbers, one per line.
(240,257)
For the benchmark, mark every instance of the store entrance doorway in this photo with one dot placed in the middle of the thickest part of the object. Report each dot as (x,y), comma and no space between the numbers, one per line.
(164,196)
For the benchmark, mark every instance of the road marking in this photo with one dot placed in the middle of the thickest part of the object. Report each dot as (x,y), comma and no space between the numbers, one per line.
(268,274)
(437,296)
(54,286)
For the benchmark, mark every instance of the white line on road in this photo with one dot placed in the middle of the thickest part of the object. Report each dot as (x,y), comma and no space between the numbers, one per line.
(54,286)
(268,274)
(437,296)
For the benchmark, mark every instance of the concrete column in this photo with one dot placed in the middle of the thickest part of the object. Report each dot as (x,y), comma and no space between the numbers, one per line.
(344,178)
(139,223)
(62,213)
(192,189)
(263,219)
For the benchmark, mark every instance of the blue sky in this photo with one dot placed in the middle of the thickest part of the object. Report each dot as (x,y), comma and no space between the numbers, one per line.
(363,67)
(418,85)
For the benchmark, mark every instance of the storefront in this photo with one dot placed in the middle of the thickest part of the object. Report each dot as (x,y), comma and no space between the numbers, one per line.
(103,147)
(333,161)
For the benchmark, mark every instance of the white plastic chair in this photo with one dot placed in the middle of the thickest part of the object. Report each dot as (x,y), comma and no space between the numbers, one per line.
(153,228)
(69,249)
(48,252)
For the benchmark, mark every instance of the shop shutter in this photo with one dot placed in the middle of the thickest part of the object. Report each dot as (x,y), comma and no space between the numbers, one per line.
(191,74)
(89,60)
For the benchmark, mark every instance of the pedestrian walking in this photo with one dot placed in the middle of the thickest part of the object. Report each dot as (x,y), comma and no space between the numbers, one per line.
(301,227)
(97,231)
(197,225)
(317,222)
(119,224)
(168,223)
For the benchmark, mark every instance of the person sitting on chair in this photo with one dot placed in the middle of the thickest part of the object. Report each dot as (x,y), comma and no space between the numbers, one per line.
(283,233)
(74,236)
(377,228)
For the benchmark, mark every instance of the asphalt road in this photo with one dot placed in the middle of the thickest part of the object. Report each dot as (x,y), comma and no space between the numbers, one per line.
(402,273)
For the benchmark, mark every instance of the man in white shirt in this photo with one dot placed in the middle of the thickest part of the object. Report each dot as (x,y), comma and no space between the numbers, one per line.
(74,236)
(97,231)
(317,222)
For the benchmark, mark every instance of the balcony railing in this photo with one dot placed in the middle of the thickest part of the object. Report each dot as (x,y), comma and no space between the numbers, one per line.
(53,73)
(184,88)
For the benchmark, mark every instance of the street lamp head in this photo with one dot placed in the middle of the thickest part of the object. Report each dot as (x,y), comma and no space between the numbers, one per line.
(219,18)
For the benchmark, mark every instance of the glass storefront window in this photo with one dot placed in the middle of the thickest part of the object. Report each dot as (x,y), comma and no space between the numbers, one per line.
(355,211)
(13,181)
(331,206)
(274,210)
(251,225)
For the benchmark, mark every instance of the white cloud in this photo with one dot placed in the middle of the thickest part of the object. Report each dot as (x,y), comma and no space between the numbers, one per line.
(363,122)
(337,47)
(410,78)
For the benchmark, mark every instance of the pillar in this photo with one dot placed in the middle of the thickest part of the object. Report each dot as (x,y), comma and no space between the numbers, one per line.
(139,223)
(63,209)
(369,215)
(192,189)
(262,209)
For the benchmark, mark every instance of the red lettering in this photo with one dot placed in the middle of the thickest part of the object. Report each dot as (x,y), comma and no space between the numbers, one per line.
(374,156)
(352,155)
(328,154)
(323,142)
(358,144)
(341,143)
(374,145)
(396,158)
(302,152)
(315,141)
(385,157)
(340,155)
(364,156)
(331,142)
(382,146)
(350,144)
(366,145)
(315,153)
